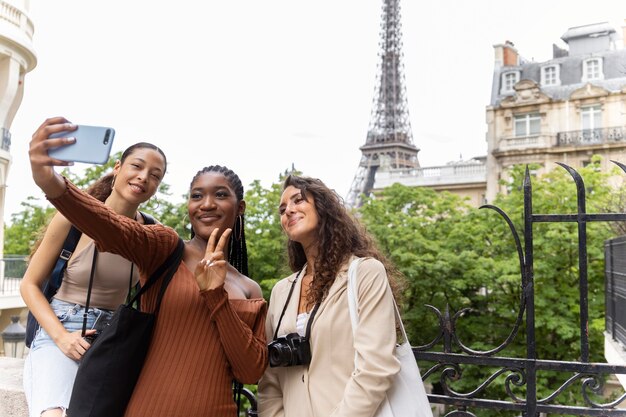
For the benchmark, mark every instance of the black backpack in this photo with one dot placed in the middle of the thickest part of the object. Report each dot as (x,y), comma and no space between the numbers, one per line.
(53,283)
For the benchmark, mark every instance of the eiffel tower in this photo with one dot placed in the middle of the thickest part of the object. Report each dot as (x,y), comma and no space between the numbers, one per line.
(389,142)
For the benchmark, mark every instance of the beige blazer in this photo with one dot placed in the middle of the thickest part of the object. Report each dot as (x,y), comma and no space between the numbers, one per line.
(330,386)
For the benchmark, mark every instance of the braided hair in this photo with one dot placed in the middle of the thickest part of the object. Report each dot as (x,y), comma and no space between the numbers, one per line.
(237,250)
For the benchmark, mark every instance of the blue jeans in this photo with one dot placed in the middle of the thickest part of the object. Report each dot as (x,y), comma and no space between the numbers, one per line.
(48,373)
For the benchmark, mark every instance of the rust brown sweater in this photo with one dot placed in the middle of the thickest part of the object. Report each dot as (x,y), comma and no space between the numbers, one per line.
(202,340)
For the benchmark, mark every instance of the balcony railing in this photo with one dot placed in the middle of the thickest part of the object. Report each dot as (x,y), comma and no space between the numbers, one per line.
(524,142)
(459,173)
(16,17)
(14,268)
(591,136)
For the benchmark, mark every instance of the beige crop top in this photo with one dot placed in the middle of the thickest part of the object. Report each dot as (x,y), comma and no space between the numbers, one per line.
(110,282)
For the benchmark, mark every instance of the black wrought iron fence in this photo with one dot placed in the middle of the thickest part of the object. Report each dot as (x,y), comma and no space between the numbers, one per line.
(520,374)
(615,285)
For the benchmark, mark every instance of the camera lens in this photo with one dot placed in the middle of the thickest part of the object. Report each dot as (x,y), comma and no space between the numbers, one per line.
(107,136)
(279,354)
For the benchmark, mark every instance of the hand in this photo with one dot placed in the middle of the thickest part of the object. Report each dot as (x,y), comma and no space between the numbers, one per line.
(210,272)
(73,345)
(41,163)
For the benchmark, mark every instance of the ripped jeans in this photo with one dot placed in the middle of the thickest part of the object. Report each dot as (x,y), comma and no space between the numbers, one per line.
(48,373)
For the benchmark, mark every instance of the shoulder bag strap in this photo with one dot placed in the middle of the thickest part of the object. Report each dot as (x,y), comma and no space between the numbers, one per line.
(172,268)
(130,282)
(169,266)
(147,219)
(353,302)
(93,270)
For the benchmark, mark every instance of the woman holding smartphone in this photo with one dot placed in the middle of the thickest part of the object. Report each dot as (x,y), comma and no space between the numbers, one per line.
(210,328)
(58,345)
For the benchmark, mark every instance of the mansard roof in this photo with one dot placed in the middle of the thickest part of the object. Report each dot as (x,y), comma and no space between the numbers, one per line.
(570,74)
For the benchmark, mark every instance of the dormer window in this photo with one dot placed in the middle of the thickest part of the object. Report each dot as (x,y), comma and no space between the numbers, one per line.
(550,76)
(509,79)
(592,69)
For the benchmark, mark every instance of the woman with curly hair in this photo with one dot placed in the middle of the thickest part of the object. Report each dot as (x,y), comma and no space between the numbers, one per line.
(312,353)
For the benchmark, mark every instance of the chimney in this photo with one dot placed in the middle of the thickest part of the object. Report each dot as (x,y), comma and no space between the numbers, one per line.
(511,58)
(505,54)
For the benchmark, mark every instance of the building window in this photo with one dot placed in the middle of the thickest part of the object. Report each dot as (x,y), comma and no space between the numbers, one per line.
(550,75)
(592,69)
(591,117)
(509,79)
(527,125)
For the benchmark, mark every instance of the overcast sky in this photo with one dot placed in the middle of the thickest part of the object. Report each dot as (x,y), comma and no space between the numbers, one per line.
(261,85)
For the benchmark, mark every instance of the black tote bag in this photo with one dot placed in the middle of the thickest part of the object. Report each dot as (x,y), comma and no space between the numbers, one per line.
(109,370)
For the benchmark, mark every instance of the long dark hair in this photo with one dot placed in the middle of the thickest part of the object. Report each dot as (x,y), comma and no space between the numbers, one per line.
(237,249)
(339,236)
(103,187)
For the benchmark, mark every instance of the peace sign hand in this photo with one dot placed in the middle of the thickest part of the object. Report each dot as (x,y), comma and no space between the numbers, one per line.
(210,272)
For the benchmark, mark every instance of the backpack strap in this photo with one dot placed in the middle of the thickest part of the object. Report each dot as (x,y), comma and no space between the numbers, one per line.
(147,219)
(56,277)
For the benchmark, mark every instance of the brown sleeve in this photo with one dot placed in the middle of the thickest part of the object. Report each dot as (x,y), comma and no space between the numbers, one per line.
(145,245)
(245,346)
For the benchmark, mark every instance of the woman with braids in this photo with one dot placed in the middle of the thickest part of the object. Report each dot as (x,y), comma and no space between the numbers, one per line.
(210,329)
(313,373)
(51,365)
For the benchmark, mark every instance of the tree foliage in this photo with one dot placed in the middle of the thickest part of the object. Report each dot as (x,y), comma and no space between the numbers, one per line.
(266,241)
(459,258)
(25,227)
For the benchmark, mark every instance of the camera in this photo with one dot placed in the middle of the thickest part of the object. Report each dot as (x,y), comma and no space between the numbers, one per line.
(289,350)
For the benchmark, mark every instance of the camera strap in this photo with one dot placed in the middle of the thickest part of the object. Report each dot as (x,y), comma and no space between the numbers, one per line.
(282,314)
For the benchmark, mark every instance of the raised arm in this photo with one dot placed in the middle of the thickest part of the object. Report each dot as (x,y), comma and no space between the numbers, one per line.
(145,246)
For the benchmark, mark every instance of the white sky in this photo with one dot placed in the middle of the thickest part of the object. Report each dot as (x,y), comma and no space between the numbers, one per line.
(261,85)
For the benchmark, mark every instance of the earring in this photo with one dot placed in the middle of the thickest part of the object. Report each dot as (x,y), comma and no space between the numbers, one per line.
(113,181)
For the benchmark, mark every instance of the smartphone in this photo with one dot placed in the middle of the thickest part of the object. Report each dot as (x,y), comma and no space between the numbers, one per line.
(92,146)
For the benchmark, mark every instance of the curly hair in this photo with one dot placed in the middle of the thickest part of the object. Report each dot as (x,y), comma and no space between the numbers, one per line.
(339,236)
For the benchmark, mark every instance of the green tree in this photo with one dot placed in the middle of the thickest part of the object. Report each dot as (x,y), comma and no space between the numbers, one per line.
(266,241)
(456,257)
(25,227)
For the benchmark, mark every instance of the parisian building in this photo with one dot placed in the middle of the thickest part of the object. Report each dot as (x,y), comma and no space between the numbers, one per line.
(17,58)
(564,110)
